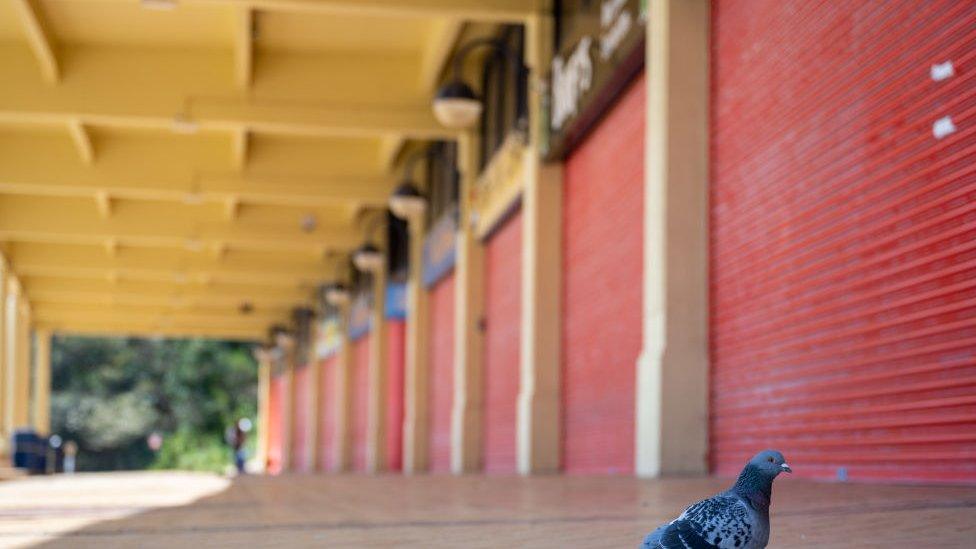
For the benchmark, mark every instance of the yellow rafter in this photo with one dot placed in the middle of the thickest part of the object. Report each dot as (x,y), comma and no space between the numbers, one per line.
(37,37)
(82,141)
(244,46)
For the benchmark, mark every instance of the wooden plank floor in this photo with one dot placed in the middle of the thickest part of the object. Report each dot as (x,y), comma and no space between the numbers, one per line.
(190,511)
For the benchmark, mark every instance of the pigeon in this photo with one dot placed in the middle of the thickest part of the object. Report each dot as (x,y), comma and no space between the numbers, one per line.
(738,518)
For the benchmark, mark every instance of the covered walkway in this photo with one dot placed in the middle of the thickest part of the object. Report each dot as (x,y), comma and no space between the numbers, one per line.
(186,510)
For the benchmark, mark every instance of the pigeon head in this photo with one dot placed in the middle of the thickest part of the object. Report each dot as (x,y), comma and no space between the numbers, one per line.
(770,463)
(755,482)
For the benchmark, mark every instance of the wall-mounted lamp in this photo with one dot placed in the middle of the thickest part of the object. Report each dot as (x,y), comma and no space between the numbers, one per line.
(336,294)
(456,105)
(407,202)
(367,257)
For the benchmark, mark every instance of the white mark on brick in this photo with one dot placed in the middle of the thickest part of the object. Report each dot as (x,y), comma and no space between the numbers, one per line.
(941,71)
(943,127)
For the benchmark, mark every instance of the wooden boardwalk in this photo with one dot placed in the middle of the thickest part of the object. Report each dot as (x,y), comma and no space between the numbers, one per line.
(192,511)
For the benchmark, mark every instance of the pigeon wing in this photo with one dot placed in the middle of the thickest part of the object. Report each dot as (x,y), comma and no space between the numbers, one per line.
(721,522)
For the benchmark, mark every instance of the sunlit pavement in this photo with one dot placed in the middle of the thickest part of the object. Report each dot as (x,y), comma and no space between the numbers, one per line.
(197,510)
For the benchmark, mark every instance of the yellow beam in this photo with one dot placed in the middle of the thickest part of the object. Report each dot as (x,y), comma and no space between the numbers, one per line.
(359,107)
(103,201)
(88,290)
(38,39)
(161,263)
(243,46)
(177,312)
(501,11)
(437,52)
(241,140)
(82,141)
(139,223)
(164,169)
(122,329)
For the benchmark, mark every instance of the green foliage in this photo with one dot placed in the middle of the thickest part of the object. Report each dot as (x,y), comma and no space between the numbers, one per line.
(109,394)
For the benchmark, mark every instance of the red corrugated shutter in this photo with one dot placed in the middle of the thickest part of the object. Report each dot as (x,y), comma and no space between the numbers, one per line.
(360,401)
(299,430)
(441,354)
(276,403)
(396,354)
(602,289)
(503,291)
(844,238)
(327,414)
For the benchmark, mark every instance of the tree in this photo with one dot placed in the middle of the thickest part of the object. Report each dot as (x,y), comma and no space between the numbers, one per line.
(109,394)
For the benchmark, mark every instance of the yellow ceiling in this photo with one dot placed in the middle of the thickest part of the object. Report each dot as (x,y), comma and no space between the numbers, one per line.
(196,167)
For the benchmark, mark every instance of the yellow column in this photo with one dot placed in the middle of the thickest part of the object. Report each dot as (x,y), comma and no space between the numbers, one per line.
(539,399)
(466,414)
(672,371)
(42,381)
(4,363)
(343,402)
(415,420)
(286,344)
(19,356)
(263,356)
(376,418)
(312,406)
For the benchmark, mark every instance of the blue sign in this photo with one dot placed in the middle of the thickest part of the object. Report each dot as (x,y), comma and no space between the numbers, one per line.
(440,248)
(396,301)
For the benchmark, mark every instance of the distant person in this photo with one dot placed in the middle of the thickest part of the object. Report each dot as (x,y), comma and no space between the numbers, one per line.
(236,437)
(70,451)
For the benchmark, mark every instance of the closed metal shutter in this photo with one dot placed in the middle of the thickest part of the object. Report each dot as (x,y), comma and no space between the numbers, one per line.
(327,413)
(503,293)
(441,354)
(843,228)
(360,401)
(276,404)
(300,454)
(602,289)
(396,339)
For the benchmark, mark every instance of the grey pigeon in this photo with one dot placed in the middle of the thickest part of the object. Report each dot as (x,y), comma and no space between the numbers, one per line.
(738,518)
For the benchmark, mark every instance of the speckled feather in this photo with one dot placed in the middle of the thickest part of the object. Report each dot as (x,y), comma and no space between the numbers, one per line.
(723,521)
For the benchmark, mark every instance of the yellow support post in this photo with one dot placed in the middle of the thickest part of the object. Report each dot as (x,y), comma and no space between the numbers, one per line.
(538,420)
(466,414)
(314,398)
(18,380)
(376,418)
(672,370)
(343,402)
(415,420)
(263,357)
(4,363)
(42,382)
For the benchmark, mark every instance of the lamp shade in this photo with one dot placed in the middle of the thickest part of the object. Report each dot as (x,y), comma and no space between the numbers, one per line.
(456,106)
(407,202)
(367,258)
(336,294)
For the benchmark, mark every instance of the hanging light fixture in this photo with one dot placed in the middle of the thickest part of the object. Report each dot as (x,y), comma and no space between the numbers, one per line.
(367,257)
(456,105)
(336,294)
(407,201)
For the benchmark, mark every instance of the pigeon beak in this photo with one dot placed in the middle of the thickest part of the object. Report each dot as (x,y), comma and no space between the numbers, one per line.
(786,468)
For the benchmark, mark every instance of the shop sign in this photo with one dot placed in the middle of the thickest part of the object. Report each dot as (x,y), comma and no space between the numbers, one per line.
(439,248)
(600,47)
(329,337)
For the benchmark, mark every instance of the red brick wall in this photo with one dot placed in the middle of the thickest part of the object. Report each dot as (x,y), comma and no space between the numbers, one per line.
(276,404)
(441,355)
(843,256)
(327,413)
(602,289)
(503,291)
(360,401)
(299,430)
(396,355)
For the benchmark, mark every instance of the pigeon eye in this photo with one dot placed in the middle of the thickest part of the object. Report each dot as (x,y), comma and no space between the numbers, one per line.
(769,460)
